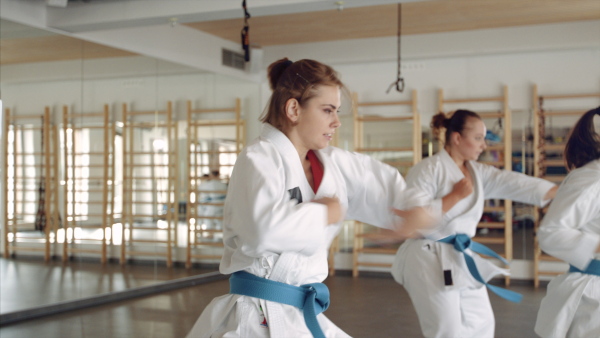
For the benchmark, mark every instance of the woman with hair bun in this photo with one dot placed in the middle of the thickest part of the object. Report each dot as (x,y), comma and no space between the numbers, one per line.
(570,231)
(442,272)
(287,196)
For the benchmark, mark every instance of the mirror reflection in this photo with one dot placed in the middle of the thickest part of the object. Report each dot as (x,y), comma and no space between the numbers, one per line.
(99,190)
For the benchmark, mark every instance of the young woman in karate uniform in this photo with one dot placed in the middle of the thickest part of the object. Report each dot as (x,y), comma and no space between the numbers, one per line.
(571,231)
(285,204)
(449,300)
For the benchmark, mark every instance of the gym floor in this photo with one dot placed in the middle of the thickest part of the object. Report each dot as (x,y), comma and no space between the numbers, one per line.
(371,305)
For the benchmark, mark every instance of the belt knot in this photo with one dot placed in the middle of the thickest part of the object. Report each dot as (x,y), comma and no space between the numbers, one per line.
(462,242)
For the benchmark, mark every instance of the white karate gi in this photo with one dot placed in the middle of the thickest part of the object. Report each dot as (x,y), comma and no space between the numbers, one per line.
(270,235)
(462,309)
(571,231)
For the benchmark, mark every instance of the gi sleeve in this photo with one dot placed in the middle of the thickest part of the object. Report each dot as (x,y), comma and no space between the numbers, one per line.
(562,233)
(260,216)
(374,188)
(423,176)
(504,184)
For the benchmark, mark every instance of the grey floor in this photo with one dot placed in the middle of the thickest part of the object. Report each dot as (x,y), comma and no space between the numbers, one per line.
(368,306)
(31,282)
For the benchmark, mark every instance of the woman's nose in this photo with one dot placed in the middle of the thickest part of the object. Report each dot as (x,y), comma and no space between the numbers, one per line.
(336,122)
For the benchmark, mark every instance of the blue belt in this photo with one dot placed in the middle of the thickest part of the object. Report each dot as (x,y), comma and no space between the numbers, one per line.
(312,298)
(462,242)
(592,269)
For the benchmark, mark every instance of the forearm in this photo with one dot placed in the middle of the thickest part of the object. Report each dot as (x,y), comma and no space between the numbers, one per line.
(504,184)
(551,193)
(335,213)
(571,245)
(449,201)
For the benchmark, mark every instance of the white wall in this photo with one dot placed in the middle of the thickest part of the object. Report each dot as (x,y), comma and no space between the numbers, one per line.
(559,58)
(558,71)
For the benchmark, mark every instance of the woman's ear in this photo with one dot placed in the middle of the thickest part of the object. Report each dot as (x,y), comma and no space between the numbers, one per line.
(292,110)
(455,138)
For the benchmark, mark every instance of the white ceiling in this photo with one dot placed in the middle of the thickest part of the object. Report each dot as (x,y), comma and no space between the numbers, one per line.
(94,15)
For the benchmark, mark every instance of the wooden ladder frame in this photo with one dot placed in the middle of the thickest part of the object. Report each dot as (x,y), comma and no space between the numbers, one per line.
(506,163)
(132,179)
(540,163)
(195,169)
(416,149)
(75,208)
(20,177)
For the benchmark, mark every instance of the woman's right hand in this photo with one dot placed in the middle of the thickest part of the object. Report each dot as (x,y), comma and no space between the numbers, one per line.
(460,190)
(335,213)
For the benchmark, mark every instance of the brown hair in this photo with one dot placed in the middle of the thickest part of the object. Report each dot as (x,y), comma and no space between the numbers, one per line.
(297,80)
(583,145)
(455,123)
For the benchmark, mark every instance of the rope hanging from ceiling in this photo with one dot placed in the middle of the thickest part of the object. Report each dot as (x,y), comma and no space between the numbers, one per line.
(246,33)
(399,80)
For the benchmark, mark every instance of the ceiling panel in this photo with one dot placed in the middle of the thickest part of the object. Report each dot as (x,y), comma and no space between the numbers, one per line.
(417,18)
(25,44)
(20,44)
(53,48)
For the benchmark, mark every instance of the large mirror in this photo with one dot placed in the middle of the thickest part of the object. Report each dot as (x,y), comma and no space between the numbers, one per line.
(116,167)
